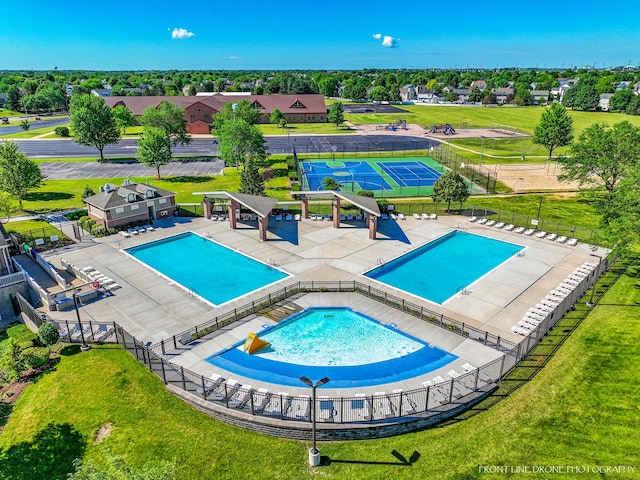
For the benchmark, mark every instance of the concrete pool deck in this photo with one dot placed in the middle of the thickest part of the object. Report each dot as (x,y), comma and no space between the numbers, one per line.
(152,308)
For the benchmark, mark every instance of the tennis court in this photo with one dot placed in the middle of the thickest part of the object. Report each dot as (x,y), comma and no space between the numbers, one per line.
(383,176)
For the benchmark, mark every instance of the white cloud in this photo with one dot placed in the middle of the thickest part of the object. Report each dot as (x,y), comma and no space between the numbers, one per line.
(377,36)
(389,42)
(181,33)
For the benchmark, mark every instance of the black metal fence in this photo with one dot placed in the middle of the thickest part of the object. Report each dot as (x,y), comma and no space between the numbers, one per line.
(476,174)
(429,399)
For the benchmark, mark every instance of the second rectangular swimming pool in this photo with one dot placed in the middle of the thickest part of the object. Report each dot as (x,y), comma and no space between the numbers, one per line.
(212,271)
(438,270)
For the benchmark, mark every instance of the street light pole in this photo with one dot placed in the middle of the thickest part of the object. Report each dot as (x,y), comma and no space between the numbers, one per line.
(314,453)
(84,347)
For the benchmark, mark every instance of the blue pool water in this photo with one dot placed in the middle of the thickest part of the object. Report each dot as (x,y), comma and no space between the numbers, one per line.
(352,349)
(436,271)
(212,271)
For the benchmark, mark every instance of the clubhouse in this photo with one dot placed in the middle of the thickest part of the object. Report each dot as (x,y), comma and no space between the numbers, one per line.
(199,110)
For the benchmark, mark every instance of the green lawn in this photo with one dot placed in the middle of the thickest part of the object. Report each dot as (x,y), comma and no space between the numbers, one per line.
(33,132)
(304,129)
(64,194)
(523,118)
(580,409)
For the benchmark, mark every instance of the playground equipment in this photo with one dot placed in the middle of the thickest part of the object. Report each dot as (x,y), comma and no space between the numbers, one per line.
(393,126)
(253,343)
(446,128)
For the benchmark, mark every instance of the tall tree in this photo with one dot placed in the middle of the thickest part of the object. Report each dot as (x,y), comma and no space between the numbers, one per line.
(277,117)
(336,114)
(450,187)
(8,205)
(18,174)
(251,181)
(330,183)
(170,119)
(93,123)
(13,99)
(602,156)
(124,118)
(555,128)
(243,109)
(154,148)
(240,141)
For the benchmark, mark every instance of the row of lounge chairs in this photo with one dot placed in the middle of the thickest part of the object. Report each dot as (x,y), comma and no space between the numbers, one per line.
(554,237)
(136,230)
(288,217)
(425,216)
(102,281)
(536,315)
(93,332)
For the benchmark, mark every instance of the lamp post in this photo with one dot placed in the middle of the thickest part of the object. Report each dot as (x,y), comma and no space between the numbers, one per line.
(84,347)
(314,453)
(593,287)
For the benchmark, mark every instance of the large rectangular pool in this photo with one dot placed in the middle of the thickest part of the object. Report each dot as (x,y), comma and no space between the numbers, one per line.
(210,270)
(441,268)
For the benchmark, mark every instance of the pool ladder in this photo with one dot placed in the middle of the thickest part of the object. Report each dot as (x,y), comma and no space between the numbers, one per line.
(381,261)
(272,263)
(462,289)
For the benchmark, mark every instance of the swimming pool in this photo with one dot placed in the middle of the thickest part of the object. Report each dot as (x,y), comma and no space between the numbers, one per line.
(212,271)
(438,270)
(352,349)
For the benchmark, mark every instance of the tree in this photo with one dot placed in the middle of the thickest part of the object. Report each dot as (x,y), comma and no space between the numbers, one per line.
(154,148)
(88,192)
(232,111)
(268,174)
(92,122)
(13,99)
(450,187)
(336,114)
(7,206)
(48,334)
(170,119)
(378,94)
(118,469)
(602,156)
(555,128)
(277,117)
(475,96)
(330,183)
(240,141)
(12,362)
(18,174)
(124,118)
(25,125)
(587,97)
(621,99)
(250,179)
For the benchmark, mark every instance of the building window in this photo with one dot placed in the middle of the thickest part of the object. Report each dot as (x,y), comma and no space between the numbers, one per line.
(120,210)
(162,200)
(297,104)
(193,118)
(207,116)
(135,207)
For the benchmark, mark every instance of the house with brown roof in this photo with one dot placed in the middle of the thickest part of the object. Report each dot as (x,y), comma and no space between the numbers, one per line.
(117,206)
(199,110)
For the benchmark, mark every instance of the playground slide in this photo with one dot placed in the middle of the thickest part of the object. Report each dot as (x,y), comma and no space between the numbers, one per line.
(253,343)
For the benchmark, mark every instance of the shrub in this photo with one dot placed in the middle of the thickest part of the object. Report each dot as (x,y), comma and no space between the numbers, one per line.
(61,131)
(88,192)
(24,344)
(48,334)
(112,231)
(98,230)
(36,356)
(21,333)
(76,215)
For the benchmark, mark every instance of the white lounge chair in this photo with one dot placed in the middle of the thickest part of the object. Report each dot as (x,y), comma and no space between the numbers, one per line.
(313,217)
(490,223)
(509,227)
(132,231)
(433,216)
(241,396)
(361,406)
(301,406)
(425,216)
(482,221)
(519,230)
(561,239)
(393,216)
(529,232)
(327,218)
(572,242)
(382,405)
(551,236)
(297,217)
(148,228)
(467,367)
(541,234)
(401,216)
(417,216)
(473,218)
(499,225)
(125,234)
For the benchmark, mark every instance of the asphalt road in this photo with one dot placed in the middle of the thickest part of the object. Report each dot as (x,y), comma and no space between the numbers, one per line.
(16,128)
(307,145)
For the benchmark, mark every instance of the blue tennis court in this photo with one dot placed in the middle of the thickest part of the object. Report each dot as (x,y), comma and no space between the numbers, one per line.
(410,174)
(347,173)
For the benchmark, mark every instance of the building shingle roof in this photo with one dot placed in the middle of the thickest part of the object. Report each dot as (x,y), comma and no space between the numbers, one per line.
(118,196)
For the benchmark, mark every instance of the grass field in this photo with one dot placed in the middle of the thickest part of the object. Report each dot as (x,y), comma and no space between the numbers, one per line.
(304,129)
(580,409)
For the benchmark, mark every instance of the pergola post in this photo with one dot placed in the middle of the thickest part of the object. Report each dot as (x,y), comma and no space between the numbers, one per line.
(305,207)
(335,202)
(263,224)
(233,206)
(207,208)
(373,225)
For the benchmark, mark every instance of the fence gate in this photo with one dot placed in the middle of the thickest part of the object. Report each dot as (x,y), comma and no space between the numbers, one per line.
(76,232)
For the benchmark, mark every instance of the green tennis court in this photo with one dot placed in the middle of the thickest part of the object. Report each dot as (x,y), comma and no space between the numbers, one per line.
(384,176)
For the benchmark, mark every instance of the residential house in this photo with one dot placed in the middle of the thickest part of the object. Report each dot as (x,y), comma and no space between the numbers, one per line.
(101,92)
(605,98)
(540,96)
(623,85)
(3,99)
(481,84)
(430,96)
(463,94)
(503,94)
(200,109)
(408,93)
(116,207)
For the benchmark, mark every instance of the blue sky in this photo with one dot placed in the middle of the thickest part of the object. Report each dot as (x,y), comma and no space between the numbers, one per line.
(349,34)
